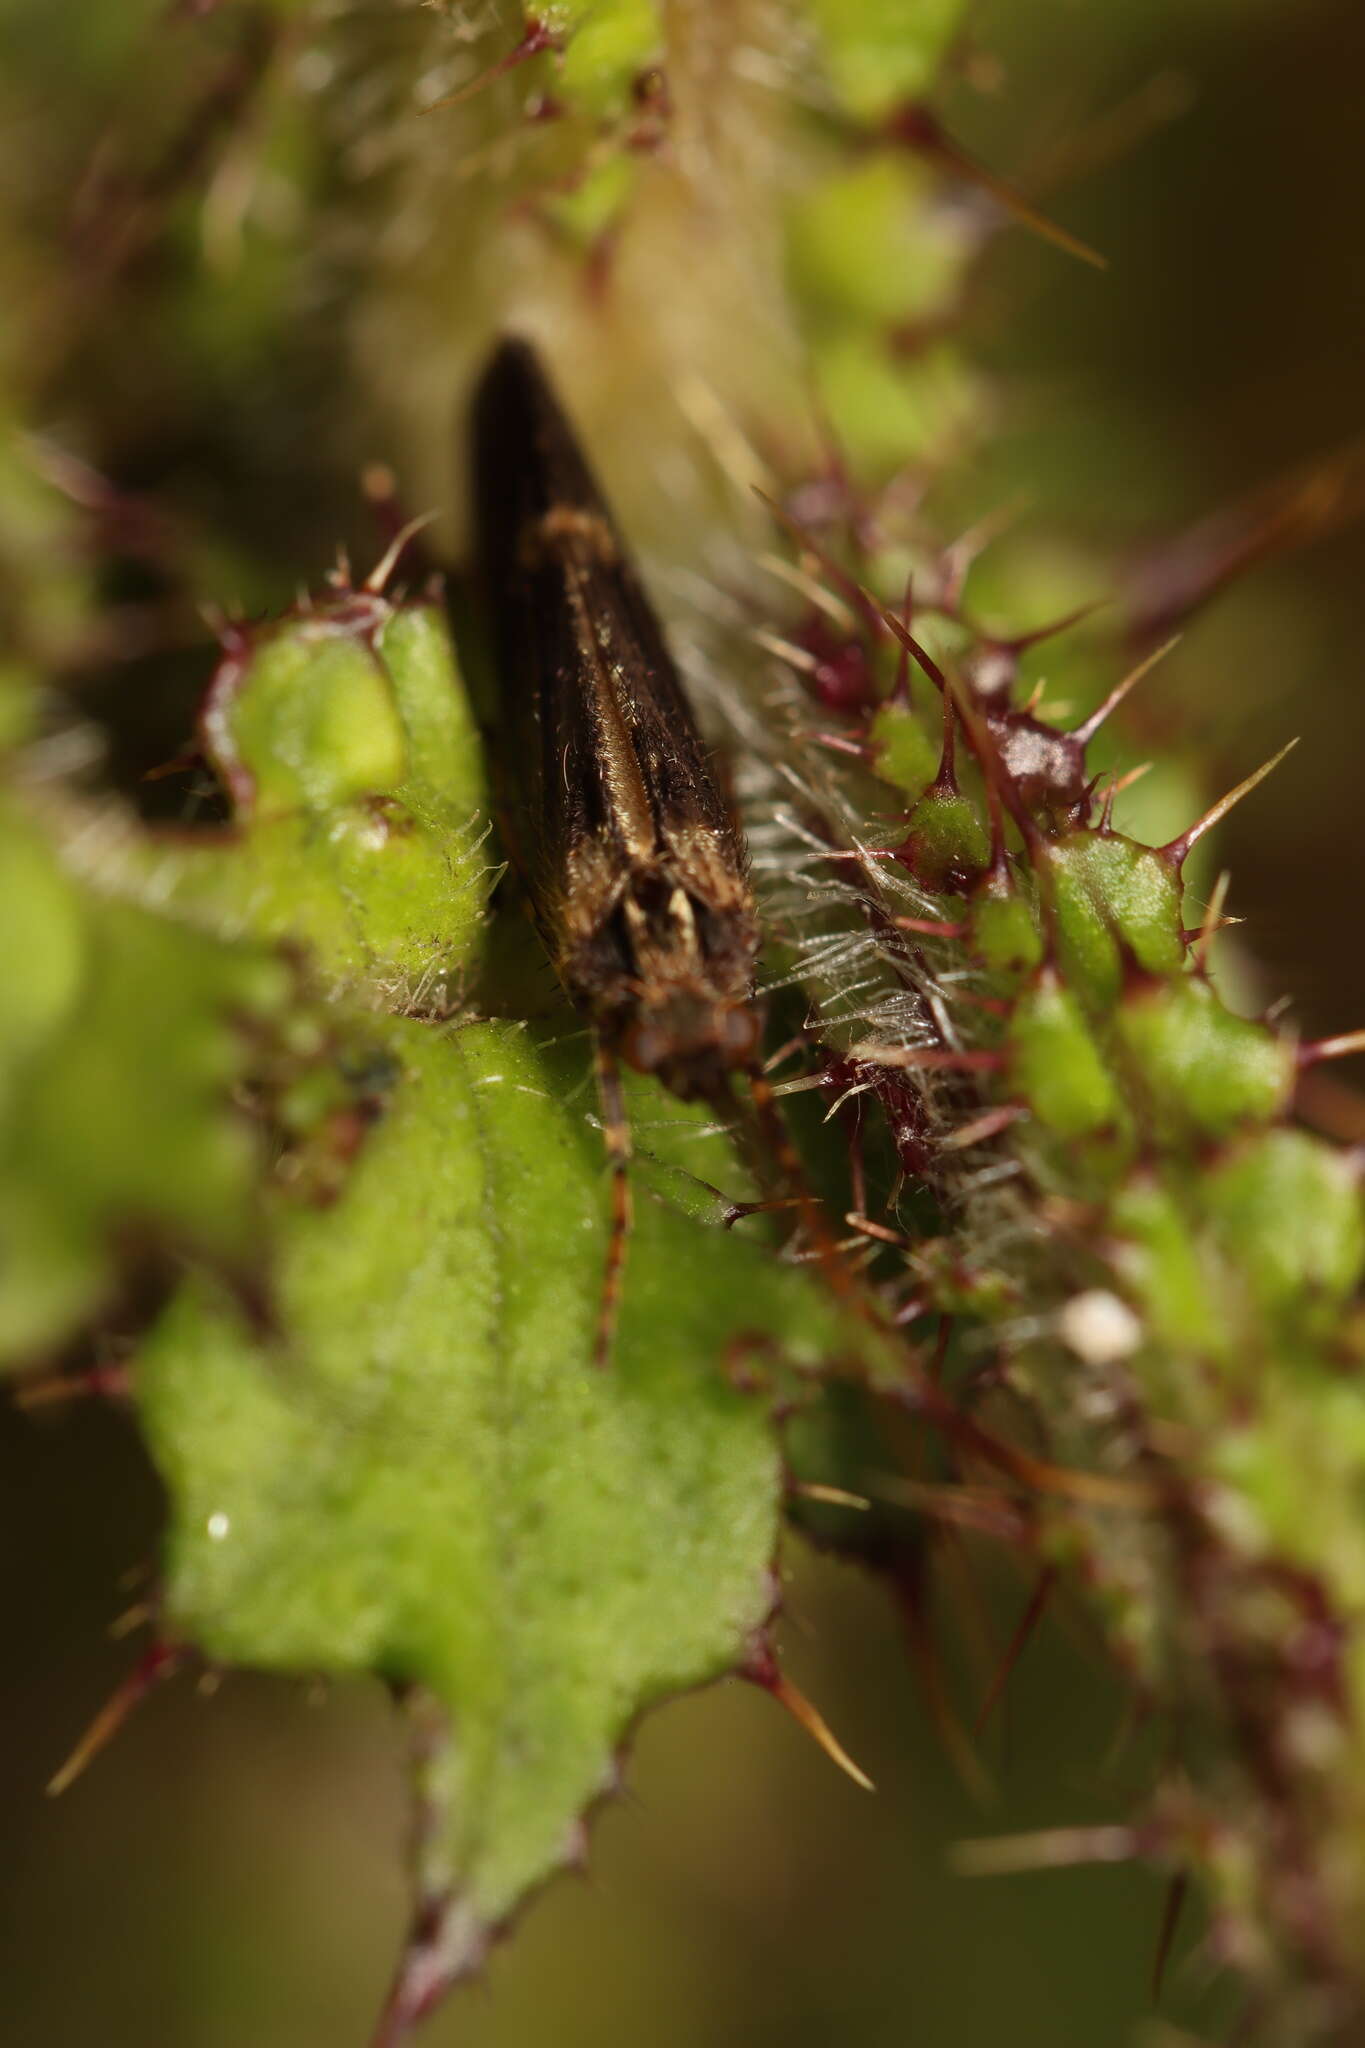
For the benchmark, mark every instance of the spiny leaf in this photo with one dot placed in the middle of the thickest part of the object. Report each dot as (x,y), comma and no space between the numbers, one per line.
(348,746)
(426,1476)
(419,1472)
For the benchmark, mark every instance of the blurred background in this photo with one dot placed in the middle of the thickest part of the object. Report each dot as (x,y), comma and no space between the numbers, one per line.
(230,1872)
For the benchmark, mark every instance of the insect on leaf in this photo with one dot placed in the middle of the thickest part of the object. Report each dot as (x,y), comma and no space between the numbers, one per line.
(417,1471)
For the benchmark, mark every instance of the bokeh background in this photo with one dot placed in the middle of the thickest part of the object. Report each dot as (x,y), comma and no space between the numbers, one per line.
(230,1872)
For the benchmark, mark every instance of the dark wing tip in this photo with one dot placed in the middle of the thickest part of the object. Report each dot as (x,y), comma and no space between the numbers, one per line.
(514,379)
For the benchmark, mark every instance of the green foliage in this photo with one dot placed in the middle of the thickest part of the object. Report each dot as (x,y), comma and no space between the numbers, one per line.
(1113,898)
(412,1468)
(423,1475)
(348,743)
(258,1051)
(904,753)
(1004,931)
(1198,1071)
(606,50)
(947,839)
(859,247)
(1056,1065)
(121,1039)
(881,52)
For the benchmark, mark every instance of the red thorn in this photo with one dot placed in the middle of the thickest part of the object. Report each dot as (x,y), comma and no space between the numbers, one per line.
(1086,730)
(881,1233)
(1211,922)
(912,646)
(987,754)
(959,1506)
(866,608)
(829,1496)
(945,782)
(1018,1643)
(1176,1894)
(1172,581)
(103,1382)
(1177,851)
(160,1661)
(919,130)
(1036,1475)
(384,568)
(1116,789)
(178,764)
(761,1668)
(735,1212)
(380,488)
(1314,1050)
(447,1942)
(1022,642)
(901,690)
(910,1585)
(1195,937)
(537,36)
(960,554)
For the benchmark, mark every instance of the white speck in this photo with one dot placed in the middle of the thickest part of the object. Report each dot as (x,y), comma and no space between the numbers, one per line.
(1314,1736)
(1234,1518)
(1099,1327)
(218,1526)
(314,71)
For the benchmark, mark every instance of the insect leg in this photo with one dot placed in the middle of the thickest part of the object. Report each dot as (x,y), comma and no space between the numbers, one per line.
(616,1133)
(792,1174)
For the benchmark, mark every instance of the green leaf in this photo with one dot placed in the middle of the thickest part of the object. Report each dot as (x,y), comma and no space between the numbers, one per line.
(419,1472)
(862,246)
(904,752)
(1200,1069)
(350,751)
(1112,894)
(1056,1065)
(122,1037)
(427,1477)
(879,54)
(608,43)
